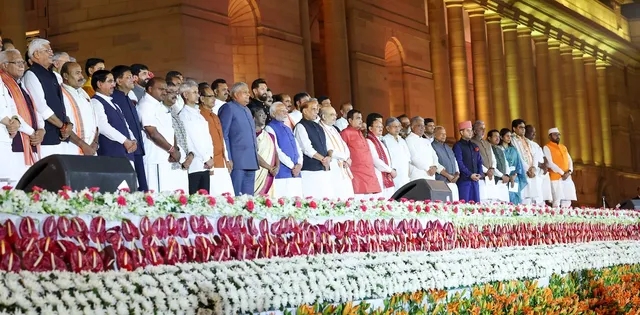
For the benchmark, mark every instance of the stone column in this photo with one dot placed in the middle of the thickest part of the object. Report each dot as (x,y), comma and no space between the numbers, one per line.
(458,61)
(581,120)
(13,22)
(512,68)
(481,80)
(591,78)
(569,131)
(337,51)
(528,83)
(555,79)
(499,95)
(543,81)
(440,64)
(603,110)
(305,32)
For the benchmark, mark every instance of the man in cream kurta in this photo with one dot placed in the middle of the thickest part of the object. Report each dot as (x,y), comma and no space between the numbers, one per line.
(544,181)
(340,157)
(80,111)
(529,163)
(424,160)
(561,165)
(399,152)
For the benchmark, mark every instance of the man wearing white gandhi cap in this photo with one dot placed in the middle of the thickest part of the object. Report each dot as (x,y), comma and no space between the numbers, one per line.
(561,165)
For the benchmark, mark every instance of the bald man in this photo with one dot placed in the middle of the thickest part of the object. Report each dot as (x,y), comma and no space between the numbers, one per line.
(77,102)
(342,122)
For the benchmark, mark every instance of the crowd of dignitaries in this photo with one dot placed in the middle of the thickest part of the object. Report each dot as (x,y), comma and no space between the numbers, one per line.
(241,139)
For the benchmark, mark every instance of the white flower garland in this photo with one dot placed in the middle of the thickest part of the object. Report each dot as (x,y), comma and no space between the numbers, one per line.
(235,287)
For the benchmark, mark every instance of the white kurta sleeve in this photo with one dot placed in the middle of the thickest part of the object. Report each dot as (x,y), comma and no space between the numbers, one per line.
(303,139)
(417,156)
(103,124)
(436,161)
(570,161)
(552,165)
(284,158)
(32,84)
(379,164)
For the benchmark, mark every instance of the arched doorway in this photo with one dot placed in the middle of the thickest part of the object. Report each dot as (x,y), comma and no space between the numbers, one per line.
(244,17)
(394,57)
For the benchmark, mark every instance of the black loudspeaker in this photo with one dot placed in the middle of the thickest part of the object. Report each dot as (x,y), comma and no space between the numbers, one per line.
(423,189)
(630,204)
(79,172)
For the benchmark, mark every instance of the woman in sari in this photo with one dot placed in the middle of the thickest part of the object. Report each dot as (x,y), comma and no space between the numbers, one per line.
(267,155)
(516,172)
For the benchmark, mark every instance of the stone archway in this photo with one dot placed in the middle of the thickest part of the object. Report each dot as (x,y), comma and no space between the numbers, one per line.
(244,18)
(394,57)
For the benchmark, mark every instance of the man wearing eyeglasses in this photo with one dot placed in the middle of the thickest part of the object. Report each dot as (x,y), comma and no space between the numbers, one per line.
(23,126)
(42,84)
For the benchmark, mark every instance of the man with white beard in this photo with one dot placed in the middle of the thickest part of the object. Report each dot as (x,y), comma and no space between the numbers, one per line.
(288,180)
(340,166)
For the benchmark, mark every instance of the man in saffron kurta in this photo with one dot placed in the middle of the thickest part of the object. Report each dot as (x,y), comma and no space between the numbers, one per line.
(288,182)
(561,165)
(470,164)
(220,175)
(365,182)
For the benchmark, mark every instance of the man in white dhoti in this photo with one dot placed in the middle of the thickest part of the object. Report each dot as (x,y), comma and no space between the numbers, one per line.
(448,160)
(288,180)
(340,166)
(316,178)
(84,139)
(160,143)
(381,157)
(488,189)
(25,144)
(424,160)
(544,181)
(531,192)
(398,151)
(561,165)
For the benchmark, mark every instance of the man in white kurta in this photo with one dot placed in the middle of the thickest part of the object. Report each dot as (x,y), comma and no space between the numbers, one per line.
(399,152)
(381,159)
(159,143)
(544,181)
(424,160)
(342,122)
(561,165)
(30,123)
(316,179)
(287,185)
(80,111)
(529,163)
(340,157)
(9,125)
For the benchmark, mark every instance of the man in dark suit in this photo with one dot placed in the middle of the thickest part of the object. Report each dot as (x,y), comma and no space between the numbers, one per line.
(124,84)
(239,133)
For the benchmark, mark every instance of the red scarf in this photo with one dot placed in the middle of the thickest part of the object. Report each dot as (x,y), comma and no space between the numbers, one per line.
(387,180)
(30,157)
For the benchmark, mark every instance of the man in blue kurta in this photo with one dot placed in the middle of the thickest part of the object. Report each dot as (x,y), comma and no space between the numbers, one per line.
(288,182)
(470,164)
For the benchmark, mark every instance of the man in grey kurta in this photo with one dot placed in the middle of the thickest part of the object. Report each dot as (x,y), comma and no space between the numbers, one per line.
(447,159)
